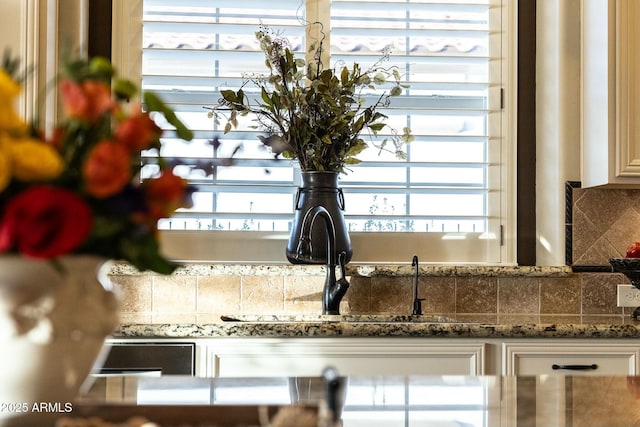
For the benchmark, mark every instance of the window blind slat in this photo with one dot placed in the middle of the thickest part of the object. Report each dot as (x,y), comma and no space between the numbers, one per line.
(184,6)
(177,82)
(176,30)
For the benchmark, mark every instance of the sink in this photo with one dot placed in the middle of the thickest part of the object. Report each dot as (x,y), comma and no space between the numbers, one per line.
(349,318)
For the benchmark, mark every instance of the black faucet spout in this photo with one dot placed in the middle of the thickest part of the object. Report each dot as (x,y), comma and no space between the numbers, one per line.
(334,290)
(417,302)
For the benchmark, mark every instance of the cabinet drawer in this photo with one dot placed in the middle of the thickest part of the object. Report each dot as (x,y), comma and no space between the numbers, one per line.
(575,359)
(239,365)
(309,357)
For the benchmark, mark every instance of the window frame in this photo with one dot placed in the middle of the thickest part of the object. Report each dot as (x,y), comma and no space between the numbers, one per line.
(268,247)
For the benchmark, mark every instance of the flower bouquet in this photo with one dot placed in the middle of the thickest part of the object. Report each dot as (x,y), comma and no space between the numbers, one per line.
(78,190)
(70,199)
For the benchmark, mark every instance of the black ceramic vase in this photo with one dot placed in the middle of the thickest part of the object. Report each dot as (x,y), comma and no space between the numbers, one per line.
(318,189)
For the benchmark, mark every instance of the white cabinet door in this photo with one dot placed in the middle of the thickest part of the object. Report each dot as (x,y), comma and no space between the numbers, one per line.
(610,93)
(570,357)
(260,357)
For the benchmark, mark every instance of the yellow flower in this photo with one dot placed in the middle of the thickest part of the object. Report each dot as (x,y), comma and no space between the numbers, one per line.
(34,160)
(10,121)
(5,170)
(9,88)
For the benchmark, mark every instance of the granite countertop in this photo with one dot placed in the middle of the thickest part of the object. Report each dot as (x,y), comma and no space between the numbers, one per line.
(329,329)
(360,270)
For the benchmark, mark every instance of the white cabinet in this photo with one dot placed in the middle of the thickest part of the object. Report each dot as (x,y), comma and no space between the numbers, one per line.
(570,357)
(530,358)
(268,357)
(610,93)
(260,357)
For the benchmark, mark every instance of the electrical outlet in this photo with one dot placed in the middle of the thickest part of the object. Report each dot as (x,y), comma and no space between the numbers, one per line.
(628,296)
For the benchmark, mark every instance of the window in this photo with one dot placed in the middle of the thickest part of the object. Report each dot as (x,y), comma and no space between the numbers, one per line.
(450,201)
(415,400)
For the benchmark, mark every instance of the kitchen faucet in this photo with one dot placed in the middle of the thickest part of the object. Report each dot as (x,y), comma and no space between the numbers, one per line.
(417,302)
(334,290)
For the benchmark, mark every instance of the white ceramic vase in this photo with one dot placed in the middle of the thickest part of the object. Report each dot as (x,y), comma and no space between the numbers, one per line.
(53,324)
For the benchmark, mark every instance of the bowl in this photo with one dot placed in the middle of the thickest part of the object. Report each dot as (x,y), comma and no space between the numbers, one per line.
(630,267)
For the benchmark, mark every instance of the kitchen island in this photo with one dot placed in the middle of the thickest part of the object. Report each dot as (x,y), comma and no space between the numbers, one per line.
(384,401)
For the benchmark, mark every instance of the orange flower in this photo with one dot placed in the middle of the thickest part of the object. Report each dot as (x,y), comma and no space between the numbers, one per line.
(165,194)
(138,132)
(87,101)
(107,169)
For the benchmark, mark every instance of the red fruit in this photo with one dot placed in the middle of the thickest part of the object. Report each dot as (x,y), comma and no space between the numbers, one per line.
(633,250)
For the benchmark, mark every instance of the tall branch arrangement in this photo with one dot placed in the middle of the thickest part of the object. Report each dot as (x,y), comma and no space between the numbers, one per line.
(315,114)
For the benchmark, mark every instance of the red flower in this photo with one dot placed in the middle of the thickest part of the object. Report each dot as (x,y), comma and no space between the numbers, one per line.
(138,132)
(87,101)
(165,194)
(45,222)
(107,169)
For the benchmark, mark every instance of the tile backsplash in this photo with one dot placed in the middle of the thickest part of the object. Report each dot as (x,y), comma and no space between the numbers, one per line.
(601,223)
(604,222)
(575,298)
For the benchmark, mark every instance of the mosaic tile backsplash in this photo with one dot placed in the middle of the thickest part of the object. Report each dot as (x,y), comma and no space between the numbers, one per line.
(602,223)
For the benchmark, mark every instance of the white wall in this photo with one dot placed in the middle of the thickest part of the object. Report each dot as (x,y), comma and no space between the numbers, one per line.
(18,34)
(10,23)
(558,121)
(36,31)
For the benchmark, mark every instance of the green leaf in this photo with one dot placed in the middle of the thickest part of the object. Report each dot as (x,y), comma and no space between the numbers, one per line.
(395,91)
(407,137)
(344,75)
(105,227)
(229,95)
(376,126)
(378,116)
(265,96)
(357,148)
(124,89)
(379,78)
(154,103)
(144,254)
(352,161)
